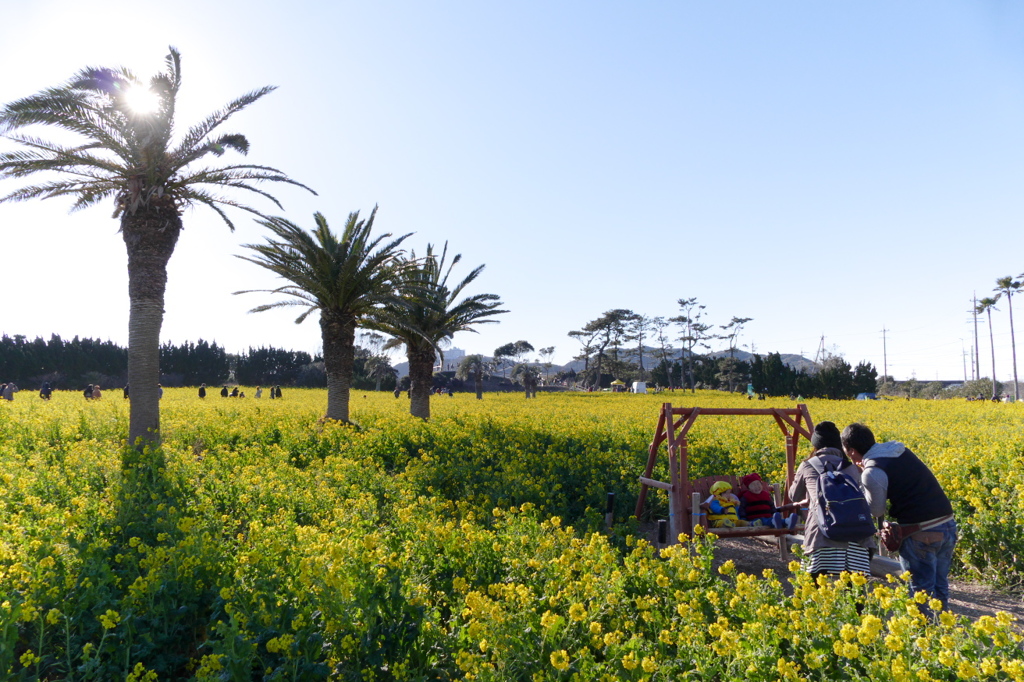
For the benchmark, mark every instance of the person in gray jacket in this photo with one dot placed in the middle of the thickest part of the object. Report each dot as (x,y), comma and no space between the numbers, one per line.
(891,472)
(821,555)
(9,390)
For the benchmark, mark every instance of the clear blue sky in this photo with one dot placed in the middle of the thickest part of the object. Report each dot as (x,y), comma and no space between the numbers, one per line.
(823,168)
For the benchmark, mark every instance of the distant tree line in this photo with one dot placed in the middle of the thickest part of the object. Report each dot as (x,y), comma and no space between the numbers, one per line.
(62,363)
(75,363)
(676,352)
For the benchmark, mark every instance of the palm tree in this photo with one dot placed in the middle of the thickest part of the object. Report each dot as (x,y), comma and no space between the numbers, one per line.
(346,279)
(429,316)
(126,153)
(1008,286)
(379,368)
(987,305)
(475,366)
(528,376)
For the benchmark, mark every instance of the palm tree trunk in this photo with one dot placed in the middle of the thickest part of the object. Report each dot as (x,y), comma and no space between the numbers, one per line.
(478,380)
(421,375)
(149,235)
(1013,346)
(339,336)
(992,345)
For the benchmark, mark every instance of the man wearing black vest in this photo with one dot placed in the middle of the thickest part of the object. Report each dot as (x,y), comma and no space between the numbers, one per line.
(890,471)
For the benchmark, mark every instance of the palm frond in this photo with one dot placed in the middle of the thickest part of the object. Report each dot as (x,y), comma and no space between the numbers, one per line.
(127,155)
(348,274)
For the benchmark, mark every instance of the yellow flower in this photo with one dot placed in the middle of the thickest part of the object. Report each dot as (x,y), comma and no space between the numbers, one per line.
(577,612)
(110,619)
(649,664)
(549,620)
(727,568)
(986,625)
(595,628)
(560,659)
(629,661)
(966,671)
(612,638)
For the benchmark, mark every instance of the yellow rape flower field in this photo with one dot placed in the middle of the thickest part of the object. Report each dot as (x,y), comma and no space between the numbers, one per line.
(271,546)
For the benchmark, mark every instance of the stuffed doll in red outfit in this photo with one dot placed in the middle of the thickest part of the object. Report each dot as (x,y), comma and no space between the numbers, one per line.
(757,505)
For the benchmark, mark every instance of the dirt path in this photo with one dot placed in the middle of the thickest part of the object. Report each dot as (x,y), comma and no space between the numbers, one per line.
(968,599)
(753,555)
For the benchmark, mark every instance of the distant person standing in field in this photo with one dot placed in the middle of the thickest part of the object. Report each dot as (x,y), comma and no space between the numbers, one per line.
(259,391)
(277,391)
(9,390)
(202,391)
(224,391)
(96,392)
(891,472)
(87,393)
(46,392)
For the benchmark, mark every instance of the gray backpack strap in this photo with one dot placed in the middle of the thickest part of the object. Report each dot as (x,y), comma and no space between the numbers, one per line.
(816,464)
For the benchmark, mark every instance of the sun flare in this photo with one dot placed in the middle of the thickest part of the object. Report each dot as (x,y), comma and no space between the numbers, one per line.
(141,100)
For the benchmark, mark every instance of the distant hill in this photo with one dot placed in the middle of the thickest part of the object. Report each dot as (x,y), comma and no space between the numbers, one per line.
(797,362)
(453,356)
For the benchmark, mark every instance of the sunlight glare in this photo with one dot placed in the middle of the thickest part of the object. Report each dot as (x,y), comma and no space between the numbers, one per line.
(141,100)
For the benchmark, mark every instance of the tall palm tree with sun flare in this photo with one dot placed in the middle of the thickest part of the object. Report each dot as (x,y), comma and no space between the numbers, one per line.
(127,152)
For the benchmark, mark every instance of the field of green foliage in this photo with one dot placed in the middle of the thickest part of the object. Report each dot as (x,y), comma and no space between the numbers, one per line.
(271,546)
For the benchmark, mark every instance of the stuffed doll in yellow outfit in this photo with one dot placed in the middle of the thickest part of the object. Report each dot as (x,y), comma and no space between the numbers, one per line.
(721,506)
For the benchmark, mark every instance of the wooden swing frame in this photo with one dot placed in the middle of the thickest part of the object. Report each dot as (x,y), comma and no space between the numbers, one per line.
(674,423)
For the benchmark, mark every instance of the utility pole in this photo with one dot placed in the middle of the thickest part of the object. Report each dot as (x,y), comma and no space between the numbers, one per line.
(973,374)
(963,352)
(821,355)
(885,358)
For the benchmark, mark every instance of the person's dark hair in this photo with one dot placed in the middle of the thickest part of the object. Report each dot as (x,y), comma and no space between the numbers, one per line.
(859,437)
(826,435)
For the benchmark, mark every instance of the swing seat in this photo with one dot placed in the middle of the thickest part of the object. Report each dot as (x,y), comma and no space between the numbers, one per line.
(701,490)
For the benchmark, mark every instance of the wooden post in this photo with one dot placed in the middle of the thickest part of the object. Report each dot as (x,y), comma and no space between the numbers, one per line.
(652,457)
(790,465)
(609,510)
(676,510)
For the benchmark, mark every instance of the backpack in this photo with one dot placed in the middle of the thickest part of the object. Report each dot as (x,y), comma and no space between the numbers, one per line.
(843,512)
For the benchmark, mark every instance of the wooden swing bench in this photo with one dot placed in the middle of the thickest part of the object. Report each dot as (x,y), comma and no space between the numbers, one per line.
(685,495)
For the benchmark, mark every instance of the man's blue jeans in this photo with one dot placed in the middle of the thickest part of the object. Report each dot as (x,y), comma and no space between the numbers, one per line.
(927,556)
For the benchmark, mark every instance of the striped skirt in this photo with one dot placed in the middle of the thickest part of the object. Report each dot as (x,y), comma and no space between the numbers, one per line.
(852,558)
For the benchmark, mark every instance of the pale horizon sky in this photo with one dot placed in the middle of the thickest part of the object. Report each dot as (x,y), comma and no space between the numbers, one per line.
(827,169)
